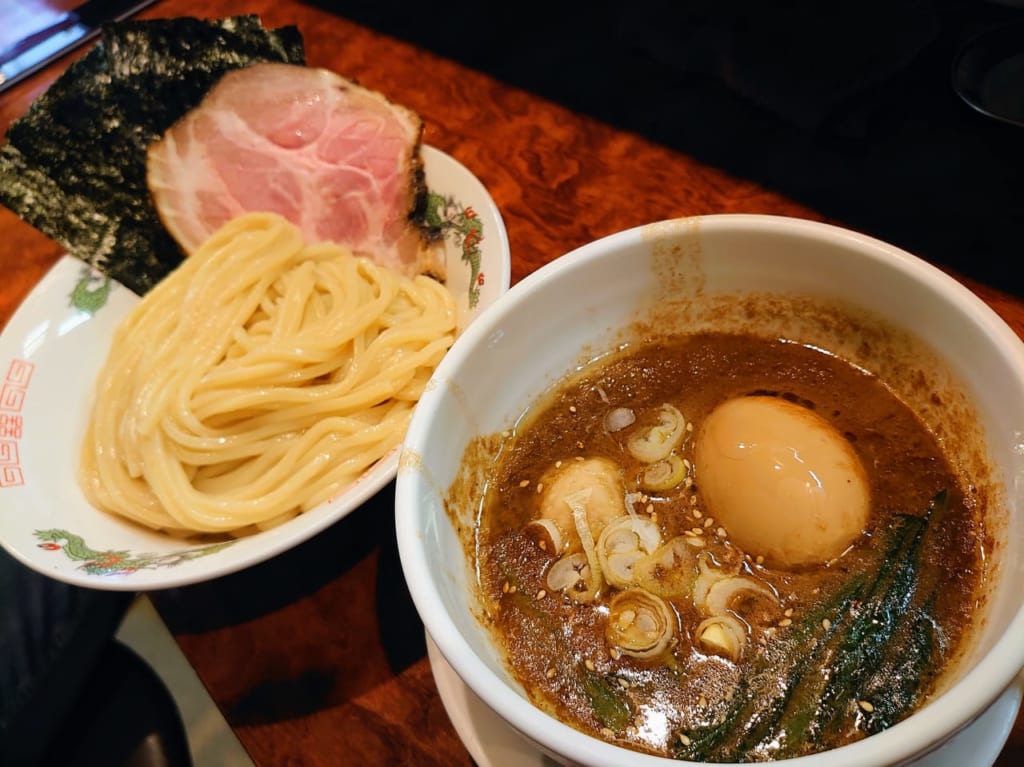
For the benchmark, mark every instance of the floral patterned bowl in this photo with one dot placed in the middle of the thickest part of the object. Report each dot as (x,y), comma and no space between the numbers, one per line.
(50,353)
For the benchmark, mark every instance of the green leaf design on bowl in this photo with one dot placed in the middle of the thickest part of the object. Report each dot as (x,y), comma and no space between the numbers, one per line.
(461,226)
(119,562)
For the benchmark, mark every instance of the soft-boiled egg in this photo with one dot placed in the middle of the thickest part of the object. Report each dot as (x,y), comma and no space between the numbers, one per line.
(782,481)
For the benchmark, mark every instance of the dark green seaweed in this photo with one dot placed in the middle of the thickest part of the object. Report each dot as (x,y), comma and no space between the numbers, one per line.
(75,165)
(878,647)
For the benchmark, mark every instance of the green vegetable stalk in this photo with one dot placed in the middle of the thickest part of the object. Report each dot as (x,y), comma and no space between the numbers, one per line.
(608,702)
(855,662)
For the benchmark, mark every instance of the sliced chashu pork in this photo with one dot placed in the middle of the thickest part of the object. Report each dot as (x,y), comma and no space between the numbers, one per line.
(339,161)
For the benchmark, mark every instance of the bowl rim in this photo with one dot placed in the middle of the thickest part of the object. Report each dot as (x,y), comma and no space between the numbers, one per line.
(950,712)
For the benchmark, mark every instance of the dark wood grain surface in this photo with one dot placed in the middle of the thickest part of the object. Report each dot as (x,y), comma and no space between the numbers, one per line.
(317,657)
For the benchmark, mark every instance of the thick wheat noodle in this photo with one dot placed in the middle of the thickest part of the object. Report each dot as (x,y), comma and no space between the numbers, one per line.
(257,380)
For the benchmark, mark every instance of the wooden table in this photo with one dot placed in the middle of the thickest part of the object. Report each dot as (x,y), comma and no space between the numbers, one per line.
(318,657)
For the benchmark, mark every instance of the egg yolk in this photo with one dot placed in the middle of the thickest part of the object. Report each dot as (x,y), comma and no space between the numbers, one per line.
(782,481)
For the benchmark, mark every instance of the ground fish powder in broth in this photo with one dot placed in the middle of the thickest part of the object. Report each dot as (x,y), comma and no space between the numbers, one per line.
(625,607)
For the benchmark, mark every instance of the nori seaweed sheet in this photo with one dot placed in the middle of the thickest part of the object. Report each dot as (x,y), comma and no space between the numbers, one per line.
(75,165)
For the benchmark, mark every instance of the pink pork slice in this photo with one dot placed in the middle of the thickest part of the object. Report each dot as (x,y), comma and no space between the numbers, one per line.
(339,161)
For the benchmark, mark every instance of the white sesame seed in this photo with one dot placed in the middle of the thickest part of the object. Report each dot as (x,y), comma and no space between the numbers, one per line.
(866,706)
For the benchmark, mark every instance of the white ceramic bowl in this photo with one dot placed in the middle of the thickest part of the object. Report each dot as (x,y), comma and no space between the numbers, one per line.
(561,315)
(50,354)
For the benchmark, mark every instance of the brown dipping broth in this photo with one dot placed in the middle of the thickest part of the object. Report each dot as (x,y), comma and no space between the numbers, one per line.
(557,648)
